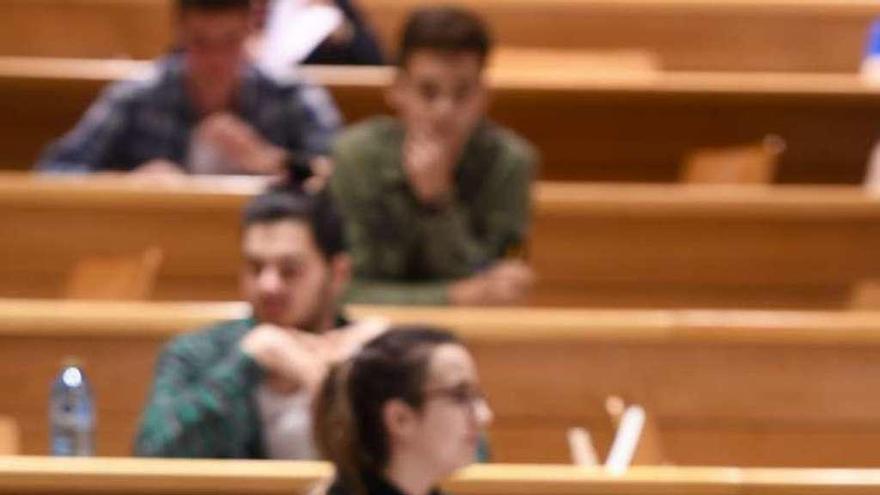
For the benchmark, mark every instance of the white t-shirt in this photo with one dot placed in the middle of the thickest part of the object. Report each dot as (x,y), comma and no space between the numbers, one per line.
(287,424)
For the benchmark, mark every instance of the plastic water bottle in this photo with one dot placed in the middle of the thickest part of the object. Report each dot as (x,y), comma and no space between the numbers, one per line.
(71,413)
(871,62)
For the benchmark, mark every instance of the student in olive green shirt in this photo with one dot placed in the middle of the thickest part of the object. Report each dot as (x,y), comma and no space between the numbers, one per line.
(436,198)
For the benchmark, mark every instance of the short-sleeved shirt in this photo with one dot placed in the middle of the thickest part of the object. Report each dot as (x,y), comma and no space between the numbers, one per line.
(152,117)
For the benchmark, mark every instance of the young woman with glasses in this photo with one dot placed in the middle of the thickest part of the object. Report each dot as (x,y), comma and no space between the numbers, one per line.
(401,415)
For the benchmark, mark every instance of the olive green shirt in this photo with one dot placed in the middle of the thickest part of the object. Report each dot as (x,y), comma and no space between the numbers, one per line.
(406,252)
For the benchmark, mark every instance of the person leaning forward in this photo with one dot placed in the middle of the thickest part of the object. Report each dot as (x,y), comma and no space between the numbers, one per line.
(201,109)
(436,199)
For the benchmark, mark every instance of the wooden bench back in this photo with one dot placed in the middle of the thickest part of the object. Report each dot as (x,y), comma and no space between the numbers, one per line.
(724,388)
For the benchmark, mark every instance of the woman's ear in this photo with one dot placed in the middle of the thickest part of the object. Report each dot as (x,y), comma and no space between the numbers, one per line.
(400,420)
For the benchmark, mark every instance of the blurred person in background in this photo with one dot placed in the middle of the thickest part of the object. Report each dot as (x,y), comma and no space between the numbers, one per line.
(436,198)
(201,109)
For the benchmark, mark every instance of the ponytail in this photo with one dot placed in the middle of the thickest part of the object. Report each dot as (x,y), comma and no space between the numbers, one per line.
(335,427)
(349,430)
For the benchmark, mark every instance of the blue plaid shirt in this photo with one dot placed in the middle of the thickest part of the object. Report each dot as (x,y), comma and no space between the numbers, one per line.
(149,118)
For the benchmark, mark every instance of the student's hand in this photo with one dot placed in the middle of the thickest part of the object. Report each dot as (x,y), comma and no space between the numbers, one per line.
(429,160)
(293,360)
(506,282)
(433,145)
(241,144)
(157,172)
(158,166)
(510,281)
(472,291)
(345,342)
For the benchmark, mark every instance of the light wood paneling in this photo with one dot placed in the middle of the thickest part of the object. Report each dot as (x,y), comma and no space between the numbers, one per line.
(725,387)
(36,475)
(591,244)
(809,35)
(615,125)
(786,35)
(86,28)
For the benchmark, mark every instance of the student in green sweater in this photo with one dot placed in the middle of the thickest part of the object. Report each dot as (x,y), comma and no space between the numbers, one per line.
(436,198)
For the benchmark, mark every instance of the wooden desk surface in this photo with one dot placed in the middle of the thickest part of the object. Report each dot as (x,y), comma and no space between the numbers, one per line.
(820,35)
(592,244)
(607,125)
(849,6)
(711,201)
(736,388)
(511,76)
(165,320)
(40,475)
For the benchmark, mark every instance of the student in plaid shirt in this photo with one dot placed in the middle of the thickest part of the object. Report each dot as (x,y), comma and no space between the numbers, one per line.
(203,109)
(243,388)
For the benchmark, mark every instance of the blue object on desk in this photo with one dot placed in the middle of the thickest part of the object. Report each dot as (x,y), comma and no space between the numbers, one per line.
(872,48)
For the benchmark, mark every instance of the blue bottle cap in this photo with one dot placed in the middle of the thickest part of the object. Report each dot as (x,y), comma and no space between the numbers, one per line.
(872,49)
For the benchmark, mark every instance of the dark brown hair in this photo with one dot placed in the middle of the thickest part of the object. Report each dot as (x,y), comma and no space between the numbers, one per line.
(348,427)
(447,29)
(317,211)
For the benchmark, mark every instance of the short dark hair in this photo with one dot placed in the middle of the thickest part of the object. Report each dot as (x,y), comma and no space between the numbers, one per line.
(317,211)
(445,28)
(183,5)
(348,427)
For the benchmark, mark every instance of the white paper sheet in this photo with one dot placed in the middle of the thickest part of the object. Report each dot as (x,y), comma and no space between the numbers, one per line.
(294,29)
